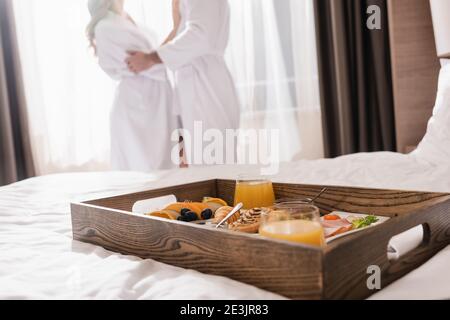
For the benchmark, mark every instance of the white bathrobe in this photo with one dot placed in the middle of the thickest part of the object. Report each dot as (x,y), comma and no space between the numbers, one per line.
(204,88)
(142,118)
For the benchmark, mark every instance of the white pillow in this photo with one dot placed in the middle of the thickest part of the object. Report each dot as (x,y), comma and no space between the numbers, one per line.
(435,146)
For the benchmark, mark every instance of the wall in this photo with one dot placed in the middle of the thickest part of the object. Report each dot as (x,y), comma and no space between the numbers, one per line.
(415,69)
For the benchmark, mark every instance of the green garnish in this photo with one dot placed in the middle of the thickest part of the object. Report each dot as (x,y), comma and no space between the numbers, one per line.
(364,222)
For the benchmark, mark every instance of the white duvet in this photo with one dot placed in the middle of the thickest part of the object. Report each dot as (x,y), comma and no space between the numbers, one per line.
(39,259)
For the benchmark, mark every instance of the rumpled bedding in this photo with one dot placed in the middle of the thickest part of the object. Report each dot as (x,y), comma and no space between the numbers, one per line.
(39,259)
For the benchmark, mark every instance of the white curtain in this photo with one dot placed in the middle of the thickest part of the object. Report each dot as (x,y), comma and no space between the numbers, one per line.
(68,98)
(271,55)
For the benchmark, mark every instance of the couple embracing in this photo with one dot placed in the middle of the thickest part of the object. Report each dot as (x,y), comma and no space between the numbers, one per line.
(148,107)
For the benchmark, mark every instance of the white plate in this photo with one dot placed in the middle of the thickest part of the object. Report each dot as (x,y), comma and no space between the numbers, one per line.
(344,215)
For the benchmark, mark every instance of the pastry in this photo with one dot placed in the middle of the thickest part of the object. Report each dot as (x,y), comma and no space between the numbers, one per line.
(196,207)
(166,214)
(222,212)
(183,210)
(248,222)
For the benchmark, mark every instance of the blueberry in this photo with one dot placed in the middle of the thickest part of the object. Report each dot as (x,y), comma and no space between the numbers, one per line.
(182,218)
(207,214)
(190,216)
(184,211)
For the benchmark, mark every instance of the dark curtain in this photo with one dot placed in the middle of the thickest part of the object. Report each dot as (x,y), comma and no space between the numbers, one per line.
(355,78)
(15,151)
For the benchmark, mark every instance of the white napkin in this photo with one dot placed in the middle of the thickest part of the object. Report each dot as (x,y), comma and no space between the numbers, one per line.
(155,204)
(405,242)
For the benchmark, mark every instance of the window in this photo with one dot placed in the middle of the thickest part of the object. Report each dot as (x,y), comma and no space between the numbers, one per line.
(271,56)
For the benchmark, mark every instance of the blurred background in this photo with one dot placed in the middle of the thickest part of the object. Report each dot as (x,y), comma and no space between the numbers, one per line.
(272,56)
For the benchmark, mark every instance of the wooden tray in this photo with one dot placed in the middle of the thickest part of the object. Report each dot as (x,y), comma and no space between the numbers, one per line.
(296,271)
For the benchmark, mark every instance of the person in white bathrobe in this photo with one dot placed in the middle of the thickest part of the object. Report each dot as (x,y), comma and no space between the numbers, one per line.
(204,88)
(142,118)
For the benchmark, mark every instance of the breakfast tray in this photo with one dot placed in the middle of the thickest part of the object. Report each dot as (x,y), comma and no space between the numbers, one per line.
(338,271)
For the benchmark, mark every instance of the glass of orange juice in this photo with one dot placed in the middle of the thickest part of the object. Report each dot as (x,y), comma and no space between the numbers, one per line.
(254,192)
(293,221)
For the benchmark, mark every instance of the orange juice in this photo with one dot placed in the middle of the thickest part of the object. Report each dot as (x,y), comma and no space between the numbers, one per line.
(302,231)
(254,194)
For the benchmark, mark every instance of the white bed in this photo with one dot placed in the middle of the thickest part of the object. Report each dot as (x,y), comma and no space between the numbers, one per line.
(39,259)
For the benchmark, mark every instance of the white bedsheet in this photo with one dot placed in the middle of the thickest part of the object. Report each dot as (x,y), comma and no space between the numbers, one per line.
(39,260)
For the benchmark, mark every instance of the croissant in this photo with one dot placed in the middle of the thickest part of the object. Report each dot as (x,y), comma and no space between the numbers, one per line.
(222,212)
